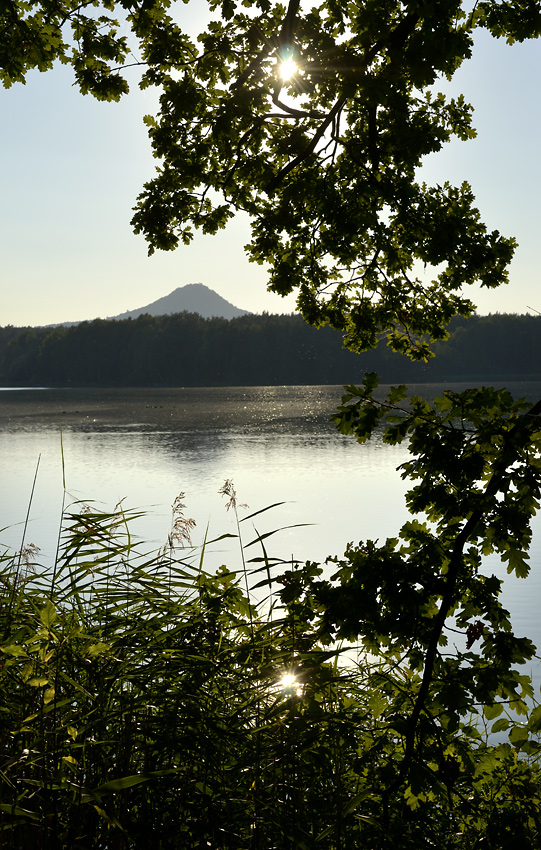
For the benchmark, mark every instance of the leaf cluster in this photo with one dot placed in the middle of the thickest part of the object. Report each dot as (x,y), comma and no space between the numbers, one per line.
(325,163)
(476,477)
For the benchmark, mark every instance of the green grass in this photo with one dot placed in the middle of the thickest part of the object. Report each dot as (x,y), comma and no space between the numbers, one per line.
(142,707)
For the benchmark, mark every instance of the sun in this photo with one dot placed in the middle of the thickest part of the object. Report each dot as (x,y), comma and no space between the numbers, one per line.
(287,69)
(290,686)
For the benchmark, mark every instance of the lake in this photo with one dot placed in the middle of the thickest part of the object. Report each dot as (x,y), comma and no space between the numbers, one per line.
(275,443)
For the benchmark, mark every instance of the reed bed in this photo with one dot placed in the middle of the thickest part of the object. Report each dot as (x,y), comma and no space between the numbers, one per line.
(146,703)
(142,702)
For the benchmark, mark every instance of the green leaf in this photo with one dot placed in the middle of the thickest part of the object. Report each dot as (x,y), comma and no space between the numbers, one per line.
(48,615)
(517,562)
(115,785)
(518,735)
(38,681)
(492,711)
(14,650)
(396,394)
(96,649)
(49,695)
(355,801)
(534,720)
(17,811)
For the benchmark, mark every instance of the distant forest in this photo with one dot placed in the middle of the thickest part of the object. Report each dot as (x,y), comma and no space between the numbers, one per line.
(187,350)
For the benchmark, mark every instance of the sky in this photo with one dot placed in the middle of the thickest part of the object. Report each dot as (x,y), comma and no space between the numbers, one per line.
(71,169)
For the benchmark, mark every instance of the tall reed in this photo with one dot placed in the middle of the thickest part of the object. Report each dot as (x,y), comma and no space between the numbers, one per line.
(142,703)
(146,702)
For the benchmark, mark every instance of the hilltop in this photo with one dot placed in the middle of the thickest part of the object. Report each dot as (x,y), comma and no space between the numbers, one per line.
(192,298)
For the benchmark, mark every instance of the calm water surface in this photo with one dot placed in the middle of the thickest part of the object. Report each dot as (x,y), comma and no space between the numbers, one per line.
(276,443)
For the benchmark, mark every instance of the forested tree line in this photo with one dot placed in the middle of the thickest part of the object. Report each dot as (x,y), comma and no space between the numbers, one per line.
(185,349)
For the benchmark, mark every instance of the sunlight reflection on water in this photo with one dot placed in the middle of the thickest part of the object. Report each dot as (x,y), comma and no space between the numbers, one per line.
(276,443)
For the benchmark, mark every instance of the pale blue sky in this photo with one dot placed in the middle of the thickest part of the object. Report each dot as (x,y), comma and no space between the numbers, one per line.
(71,168)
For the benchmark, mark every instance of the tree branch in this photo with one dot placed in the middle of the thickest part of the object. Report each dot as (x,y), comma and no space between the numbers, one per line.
(296,113)
(507,458)
(338,106)
(286,36)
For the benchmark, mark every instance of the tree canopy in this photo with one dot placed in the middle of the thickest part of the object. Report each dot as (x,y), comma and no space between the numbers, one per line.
(326,164)
(325,161)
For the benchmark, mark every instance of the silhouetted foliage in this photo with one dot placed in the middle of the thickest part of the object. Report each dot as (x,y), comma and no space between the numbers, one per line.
(148,703)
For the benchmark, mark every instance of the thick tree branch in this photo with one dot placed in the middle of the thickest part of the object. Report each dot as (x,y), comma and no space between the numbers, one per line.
(282,174)
(296,113)
(287,33)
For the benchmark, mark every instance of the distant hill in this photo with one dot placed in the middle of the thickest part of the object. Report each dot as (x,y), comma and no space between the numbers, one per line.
(193,298)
